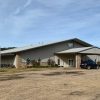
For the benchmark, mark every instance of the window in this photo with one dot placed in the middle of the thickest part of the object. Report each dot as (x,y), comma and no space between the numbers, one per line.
(70,45)
(71,62)
(58,61)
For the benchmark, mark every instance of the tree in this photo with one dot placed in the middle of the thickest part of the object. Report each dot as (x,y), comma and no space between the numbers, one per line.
(51,62)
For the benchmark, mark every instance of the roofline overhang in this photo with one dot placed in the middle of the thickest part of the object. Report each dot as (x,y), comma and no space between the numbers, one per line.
(8,54)
(76,53)
(23,50)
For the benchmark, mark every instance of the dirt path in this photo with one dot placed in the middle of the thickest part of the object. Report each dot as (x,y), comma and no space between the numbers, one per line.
(51,85)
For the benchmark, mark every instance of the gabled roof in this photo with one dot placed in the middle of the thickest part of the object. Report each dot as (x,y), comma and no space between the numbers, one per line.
(82,50)
(74,50)
(20,49)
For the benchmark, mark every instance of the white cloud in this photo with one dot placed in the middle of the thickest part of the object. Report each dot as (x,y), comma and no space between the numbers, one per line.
(17,25)
(22,7)
(32,19)
(48,16)
(27,3)
(17,11)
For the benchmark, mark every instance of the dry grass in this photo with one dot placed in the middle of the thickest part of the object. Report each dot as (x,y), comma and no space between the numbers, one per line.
(14,70)
(56,84)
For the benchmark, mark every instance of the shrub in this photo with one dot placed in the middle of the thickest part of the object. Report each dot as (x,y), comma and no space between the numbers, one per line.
(51,62)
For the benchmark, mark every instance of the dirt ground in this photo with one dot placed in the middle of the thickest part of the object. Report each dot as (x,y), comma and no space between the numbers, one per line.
(58,84)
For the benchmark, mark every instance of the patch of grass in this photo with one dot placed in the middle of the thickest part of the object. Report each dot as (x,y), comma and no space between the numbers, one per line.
(2,70)
(14,70)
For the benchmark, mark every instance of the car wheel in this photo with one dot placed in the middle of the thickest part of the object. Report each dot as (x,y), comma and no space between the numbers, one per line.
(88,67)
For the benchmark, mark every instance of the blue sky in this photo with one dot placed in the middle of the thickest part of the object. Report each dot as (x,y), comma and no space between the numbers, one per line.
(25,22)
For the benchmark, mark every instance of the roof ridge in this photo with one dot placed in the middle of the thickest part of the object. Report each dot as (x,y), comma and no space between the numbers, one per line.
(19,49)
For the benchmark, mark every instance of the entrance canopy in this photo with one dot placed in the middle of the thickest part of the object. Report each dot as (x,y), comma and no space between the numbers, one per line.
(77,54)
(82,50)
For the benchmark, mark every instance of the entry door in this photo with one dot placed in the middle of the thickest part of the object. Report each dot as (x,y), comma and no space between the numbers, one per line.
(71,62)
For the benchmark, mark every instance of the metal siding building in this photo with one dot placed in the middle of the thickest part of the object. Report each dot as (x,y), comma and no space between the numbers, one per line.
(69,53)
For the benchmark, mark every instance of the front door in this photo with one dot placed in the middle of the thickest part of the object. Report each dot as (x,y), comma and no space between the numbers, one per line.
(70,62)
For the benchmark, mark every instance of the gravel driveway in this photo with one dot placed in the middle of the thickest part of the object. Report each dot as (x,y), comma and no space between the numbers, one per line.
(59,84)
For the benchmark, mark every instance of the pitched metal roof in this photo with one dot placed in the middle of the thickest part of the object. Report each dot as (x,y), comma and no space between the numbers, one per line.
(82,50)
(74,50)
(20,49)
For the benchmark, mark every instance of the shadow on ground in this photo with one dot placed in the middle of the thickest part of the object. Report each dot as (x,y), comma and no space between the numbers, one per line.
(74,73)
(97,97)
(77,93)
(10,77)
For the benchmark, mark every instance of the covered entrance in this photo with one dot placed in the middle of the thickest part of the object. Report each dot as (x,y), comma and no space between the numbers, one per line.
(73,57)
(66,60)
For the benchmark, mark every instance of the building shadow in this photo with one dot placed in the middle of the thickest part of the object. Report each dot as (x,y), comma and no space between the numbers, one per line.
(74,73)
(11,77)
(79,93)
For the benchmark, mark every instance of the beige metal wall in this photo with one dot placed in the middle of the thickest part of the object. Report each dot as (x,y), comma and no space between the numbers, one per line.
(44,53)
